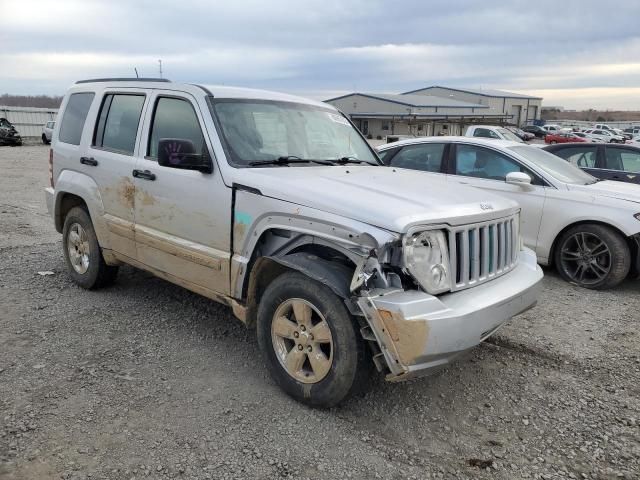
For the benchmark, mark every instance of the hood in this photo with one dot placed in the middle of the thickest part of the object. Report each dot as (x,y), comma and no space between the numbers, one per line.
(393,199)
(611,189)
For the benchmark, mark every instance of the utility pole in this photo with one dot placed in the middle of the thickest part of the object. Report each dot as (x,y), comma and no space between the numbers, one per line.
(160,67)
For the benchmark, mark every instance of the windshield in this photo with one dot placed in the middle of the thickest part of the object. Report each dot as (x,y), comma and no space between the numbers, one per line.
(257,131)
(509,135)
(556,167)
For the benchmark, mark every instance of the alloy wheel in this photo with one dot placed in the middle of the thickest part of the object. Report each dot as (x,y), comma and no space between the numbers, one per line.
(302,340)
(585,258)
(78,248)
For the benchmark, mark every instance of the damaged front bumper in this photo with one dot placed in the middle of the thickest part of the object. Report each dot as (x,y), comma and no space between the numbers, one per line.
(417,331)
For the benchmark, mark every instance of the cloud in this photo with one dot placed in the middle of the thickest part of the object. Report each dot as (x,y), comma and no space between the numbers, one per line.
(320,48)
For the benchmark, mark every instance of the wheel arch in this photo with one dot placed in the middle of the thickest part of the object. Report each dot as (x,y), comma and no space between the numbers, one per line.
(323,263)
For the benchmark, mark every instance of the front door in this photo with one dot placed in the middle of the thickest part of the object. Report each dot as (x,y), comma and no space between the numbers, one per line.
(487,169)
(182,216)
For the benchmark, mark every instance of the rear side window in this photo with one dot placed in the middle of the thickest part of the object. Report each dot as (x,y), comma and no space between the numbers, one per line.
(426,157)
(175,118)
(484,133)
(623,159)
(117,126)
(74,117)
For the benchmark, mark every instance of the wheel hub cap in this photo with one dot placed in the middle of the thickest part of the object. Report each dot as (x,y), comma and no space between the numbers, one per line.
(302,340)
(78,248)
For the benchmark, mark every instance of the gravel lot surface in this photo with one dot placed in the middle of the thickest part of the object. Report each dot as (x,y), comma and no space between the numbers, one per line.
(146,380)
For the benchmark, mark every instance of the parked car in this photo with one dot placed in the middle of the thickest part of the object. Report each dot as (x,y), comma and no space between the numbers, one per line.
(554,138)
(539,132)
(588,137)
(8,134)
(552,128)
(633,131)
(270,204)
(605,135)
(608,162)
(491,131)
(602,126)
(588,229)
(47,130)
(521,134)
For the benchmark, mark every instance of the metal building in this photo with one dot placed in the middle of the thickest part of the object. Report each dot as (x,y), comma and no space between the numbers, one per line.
(28,120)
(522,109)
(435,110)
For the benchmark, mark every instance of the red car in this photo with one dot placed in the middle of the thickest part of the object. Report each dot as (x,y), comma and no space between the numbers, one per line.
(554,138)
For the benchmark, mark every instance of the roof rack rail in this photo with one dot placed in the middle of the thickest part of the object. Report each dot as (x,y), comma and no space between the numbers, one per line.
(124,79)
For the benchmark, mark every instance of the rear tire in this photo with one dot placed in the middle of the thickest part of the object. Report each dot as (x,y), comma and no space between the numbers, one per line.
(593,256)
(44,139)
(319,371)
(82,253)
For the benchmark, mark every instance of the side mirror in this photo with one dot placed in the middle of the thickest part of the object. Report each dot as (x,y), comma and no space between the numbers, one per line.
(181,153)
(518,178)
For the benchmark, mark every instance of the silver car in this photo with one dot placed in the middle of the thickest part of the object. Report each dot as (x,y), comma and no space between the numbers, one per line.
(47,131)
(276,206)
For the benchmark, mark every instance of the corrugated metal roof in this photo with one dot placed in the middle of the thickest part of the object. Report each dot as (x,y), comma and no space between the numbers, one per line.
(485,92)
(415,100)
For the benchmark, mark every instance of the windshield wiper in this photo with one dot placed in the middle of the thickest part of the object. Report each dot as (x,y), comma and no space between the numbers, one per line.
(345,160)
(287,161)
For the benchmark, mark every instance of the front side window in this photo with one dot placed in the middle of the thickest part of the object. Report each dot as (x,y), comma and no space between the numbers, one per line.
(479,162)
(74,117)
(622,159)
(426,157)
(175,118)
(584,157)
(117,126)
(262,131)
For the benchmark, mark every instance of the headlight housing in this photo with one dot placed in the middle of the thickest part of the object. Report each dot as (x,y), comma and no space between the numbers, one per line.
(426,258)
(637,216)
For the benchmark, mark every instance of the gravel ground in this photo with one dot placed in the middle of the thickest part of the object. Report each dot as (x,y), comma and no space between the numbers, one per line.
(146,380)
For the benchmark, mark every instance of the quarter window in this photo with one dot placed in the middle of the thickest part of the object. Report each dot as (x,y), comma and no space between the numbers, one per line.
(117,126)
(479,162)
(175,118)
(74,117)
(622,159)
(426,157)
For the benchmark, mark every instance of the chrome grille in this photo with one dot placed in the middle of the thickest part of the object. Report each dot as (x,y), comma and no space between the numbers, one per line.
(483,251)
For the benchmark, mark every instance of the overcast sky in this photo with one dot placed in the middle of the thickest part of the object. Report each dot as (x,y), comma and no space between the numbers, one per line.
(575,53)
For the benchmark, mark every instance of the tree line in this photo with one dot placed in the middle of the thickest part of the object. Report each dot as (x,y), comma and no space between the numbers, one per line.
(40,101)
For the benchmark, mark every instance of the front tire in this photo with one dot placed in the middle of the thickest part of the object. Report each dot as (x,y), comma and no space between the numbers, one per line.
(310,342)
(82,253)
(593,256)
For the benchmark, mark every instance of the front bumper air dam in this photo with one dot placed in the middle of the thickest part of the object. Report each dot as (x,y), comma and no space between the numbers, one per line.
(417,331)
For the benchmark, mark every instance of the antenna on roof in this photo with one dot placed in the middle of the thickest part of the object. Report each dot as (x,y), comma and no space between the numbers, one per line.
(160,67)
(136,70)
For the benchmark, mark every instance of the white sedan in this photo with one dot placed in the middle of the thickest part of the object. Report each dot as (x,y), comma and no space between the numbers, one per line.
(587,228)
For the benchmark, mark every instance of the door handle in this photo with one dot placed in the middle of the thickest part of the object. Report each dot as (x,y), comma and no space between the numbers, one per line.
(92,162)
(144,174)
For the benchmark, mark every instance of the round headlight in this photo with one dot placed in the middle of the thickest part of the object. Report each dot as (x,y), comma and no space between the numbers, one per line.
(426,258)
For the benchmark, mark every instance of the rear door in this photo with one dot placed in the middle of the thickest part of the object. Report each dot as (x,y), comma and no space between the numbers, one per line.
(110,159)
(487,169)
(183,217)
(621,163)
